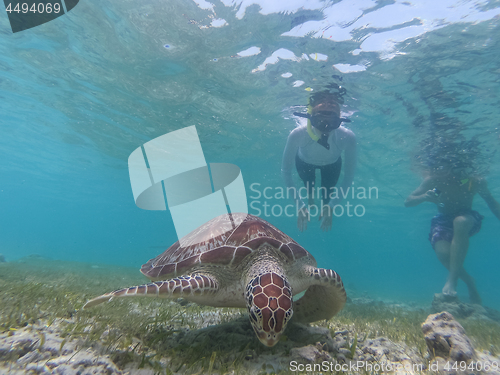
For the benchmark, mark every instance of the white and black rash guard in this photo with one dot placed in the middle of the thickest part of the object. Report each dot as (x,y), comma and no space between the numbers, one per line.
(308,150)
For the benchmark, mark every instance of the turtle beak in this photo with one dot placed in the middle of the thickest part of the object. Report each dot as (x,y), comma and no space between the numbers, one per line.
(271,341)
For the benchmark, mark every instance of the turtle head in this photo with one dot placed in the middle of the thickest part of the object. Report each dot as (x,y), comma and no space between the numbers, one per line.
(269,301)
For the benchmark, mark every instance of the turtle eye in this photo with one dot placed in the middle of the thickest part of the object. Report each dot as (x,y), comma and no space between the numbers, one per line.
(254,312)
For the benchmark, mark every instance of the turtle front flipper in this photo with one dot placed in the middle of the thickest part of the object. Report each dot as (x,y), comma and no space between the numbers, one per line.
(324,297)
(190,287)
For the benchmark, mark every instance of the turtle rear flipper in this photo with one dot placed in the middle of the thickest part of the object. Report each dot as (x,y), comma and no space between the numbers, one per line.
(324,297)
(188,287)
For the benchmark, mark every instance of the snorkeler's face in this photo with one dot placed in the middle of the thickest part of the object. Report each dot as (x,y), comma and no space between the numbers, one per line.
(326,117)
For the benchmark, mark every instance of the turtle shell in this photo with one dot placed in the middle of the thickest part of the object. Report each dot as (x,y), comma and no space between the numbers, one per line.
(225,241)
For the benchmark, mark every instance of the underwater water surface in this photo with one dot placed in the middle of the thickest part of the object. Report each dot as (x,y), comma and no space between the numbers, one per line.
(79,94)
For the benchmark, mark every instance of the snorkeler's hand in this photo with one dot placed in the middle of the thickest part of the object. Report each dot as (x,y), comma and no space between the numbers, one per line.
(302,219)
(326,218)
(482,186)
(430,196)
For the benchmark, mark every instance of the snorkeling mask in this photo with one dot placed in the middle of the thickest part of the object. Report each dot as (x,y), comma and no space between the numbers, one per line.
(325,122)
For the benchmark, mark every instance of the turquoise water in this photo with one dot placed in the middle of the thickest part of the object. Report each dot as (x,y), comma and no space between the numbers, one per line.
(82,92)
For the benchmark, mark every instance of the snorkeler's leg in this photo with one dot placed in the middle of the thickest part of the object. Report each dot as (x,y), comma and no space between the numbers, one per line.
(307,173)
(442,249)
(471,286)
(458,251)
(329,177)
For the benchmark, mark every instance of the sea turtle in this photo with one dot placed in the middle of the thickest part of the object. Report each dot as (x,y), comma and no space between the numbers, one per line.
(240,260)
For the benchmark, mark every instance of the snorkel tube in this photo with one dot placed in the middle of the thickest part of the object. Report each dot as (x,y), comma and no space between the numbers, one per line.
(313,136)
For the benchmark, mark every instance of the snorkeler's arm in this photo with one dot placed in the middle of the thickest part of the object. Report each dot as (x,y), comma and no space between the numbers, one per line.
(421,194)
(291,149)
(485,193)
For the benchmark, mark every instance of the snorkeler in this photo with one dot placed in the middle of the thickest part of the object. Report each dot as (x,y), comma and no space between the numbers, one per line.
(453,192)
(319,145)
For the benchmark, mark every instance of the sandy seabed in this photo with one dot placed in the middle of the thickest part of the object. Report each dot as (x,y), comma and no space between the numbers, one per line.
(43,330)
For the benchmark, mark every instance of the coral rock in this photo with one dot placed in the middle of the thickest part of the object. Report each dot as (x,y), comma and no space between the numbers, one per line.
(310,354)
(446,338)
